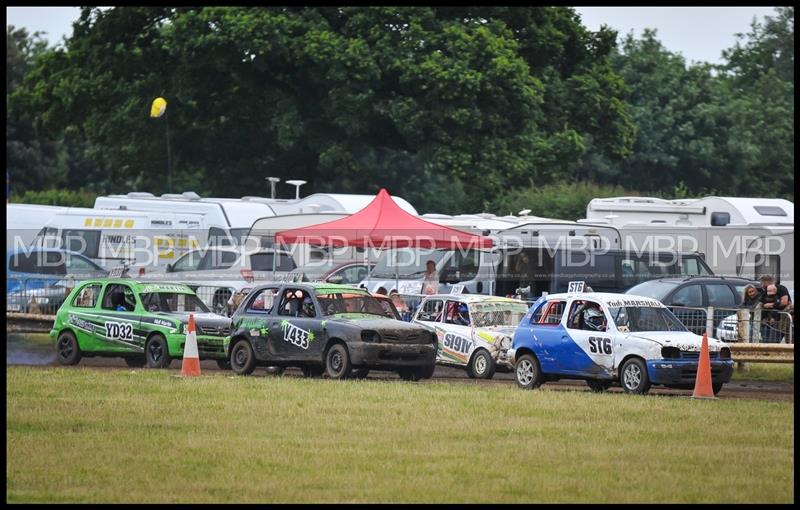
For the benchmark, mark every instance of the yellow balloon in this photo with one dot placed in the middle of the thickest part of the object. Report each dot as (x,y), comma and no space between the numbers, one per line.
(159,107)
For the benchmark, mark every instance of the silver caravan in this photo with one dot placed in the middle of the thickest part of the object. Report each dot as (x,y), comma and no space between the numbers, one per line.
(744,237)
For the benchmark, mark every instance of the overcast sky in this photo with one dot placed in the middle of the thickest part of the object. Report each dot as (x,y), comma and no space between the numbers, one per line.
(698,33)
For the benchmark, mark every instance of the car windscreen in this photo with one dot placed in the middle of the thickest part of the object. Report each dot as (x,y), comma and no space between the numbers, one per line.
(172,302)
(409,262)
(653,289)
(264,261)
(344,302)
(635,319)
(497,314)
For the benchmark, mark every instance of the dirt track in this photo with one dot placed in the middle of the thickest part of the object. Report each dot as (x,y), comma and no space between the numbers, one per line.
(42,355)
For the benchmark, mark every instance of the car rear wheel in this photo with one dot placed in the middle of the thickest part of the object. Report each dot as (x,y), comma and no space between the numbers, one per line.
(634,378)
(527,372)
(337,362)
(425,372)
(156,352)
(598,386)
(67,348)
(482,365)
(243,359)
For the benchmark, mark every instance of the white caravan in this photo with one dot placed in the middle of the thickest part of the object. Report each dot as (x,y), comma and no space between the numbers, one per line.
(139,239)
(745,237)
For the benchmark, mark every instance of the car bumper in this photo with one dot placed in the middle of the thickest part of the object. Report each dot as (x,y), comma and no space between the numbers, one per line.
(391,355)
(208,347)
(683,373)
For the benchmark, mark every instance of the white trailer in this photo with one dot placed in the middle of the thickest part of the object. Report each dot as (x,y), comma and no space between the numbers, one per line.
(24,221)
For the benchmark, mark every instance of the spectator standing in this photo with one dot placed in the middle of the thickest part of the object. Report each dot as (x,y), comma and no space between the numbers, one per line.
(430,285)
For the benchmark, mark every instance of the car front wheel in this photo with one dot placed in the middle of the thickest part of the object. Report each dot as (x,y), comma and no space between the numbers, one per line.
(337,362)
(634,378)
(482,365)
(243,360)
(157,353)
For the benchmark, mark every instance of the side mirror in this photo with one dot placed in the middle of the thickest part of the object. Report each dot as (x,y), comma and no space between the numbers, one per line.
(337,278)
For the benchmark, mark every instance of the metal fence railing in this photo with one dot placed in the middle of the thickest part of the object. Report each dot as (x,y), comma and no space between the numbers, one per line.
(748,325)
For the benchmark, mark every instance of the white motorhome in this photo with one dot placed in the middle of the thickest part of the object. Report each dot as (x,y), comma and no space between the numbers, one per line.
(146,239)
(227,220)
(24,221)
(745,237)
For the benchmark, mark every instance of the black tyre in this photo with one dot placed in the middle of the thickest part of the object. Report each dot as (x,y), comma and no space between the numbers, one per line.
(223,364)
(634,378)
(337,362)
(482,365)
(276,371)
(135,362)
(360,373)
(156,352)
(598,386)
(67,349)
(407,374)
(527,372)
(243,359)
(425,372)
(717,387)
(312,371)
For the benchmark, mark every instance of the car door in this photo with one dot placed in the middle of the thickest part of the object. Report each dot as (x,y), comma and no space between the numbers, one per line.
(293,334)
(430,314)
(457,344)
(585,350)
(119,318)
(547,332)
(256,316)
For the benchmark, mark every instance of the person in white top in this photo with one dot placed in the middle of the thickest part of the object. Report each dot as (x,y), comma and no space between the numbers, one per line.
(430,285)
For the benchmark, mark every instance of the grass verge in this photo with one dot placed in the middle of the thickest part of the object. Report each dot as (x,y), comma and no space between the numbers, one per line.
(775,372)
(83,435)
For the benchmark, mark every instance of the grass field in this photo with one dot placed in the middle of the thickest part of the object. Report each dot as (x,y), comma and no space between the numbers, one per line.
(778,372)
(88,435)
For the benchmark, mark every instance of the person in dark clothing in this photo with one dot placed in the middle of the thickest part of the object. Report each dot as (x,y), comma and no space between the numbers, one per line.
(751,296)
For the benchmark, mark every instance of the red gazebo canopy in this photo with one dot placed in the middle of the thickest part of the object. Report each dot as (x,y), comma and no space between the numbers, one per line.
(382,224)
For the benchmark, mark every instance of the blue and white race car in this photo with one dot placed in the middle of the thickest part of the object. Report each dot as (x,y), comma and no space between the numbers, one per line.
(607,338)
(474,332)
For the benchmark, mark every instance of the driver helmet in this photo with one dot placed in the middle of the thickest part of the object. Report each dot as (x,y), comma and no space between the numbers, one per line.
(463,311)
(593,319)
(308,306)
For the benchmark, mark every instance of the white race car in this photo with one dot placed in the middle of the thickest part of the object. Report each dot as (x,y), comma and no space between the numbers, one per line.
(474,332)
(606,338)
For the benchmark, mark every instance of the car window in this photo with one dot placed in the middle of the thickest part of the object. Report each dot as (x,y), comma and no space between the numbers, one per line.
(52,263)
(264,261)
(352,274)
(22,262)
(188,262)
(119,297)
(297,303)
(457,313)
(263,301)
(550,314)
(85,242)
(720,295)
(739,292)
(690,295)
(78,263)
(431,310)
(87,296)
(586,315)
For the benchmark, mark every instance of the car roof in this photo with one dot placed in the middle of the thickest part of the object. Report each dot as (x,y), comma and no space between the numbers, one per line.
(474,298)
(609,297)
(139,285)
(330,264)
(317,286)
(704,279)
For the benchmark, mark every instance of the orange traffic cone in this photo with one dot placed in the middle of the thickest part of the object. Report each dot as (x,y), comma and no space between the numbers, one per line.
(191,358)
(702,385)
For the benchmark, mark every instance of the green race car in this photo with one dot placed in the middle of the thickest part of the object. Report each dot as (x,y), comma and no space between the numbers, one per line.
(144,323)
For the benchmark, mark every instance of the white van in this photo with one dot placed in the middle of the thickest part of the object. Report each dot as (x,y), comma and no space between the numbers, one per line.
(24,221)
(134,238)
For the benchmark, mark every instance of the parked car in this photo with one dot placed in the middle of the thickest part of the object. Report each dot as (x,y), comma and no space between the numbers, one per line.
(143,322)
(36,268)
(606,338)
(223,261)
(347,272)
(325,327)
(474,332)
(684,295)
